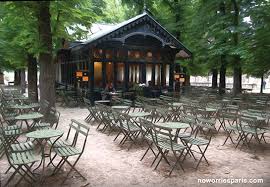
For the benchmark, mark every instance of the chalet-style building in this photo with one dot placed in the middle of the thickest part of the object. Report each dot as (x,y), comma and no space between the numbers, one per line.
(138,50)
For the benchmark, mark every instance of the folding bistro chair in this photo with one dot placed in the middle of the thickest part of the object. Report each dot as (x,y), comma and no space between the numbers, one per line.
(167,144)
(65,152)
(20,161)
(232,125)
(147,131)
(202,143)
(249,126)
(128,128)
(51,122)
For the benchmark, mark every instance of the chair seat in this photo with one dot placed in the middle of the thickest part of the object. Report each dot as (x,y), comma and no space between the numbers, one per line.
(184,135)
(168,146)
(196,141)
(159,138)
(233,128)
(60,143)
(42,125)
(24,146)
(12,127)
(22,158)
(14,132)
(131,127)
(253,130)
(67,151)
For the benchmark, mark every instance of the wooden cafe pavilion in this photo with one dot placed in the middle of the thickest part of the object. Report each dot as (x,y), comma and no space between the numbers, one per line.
(138,50)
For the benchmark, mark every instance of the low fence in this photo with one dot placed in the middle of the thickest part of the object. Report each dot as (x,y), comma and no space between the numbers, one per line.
(228,85)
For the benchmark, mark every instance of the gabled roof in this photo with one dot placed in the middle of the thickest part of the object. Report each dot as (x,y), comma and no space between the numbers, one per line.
(114,30)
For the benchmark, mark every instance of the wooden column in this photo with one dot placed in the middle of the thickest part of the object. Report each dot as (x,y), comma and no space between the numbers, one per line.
(126,75)
(114,73)
(153,74)
(104,76)
(143,66)
(103,70)
(114,61)
(91,74)
(171,79)
(163,75)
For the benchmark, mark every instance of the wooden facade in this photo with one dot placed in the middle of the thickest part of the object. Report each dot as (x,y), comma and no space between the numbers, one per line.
(138,50)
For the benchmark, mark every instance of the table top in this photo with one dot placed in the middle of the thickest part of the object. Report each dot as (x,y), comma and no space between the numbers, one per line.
(207,109)
(174,125)
(24,106)
(34,115)
(139,114)
(43,134)
(153,99)
(103,101)
(120,107)
(177,104)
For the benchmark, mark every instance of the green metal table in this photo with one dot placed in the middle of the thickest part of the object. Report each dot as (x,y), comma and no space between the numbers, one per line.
(42,137)
(24,107)
(174,125)
(35,116)
(121,108)
(139,114)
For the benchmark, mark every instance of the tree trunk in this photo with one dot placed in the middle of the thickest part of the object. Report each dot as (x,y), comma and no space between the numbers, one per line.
(237,80)
(222,73)
(17,77)
(214,78)
(47,70)
(262,85)
(32,78)
(237,70)
(222,77)
(22,80)
(1,77)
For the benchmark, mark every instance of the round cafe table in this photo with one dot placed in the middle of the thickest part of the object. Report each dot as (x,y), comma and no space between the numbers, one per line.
(121,108)
(42,137)
(24,107)
(35,116)
(103,101)
(174,126)
(139,114)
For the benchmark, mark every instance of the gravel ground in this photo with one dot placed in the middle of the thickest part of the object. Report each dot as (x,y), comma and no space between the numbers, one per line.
(105,163)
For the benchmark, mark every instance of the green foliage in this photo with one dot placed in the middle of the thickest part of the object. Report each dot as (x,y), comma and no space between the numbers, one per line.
(19,31)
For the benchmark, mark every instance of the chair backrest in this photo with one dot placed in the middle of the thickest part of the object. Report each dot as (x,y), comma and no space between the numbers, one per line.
(76,130)
(87,102)
(248,121)
(53,117)
(147,126)
(5,143)
(165,133)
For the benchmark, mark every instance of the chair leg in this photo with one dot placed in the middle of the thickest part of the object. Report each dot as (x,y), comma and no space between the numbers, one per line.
(177,161)
(72,168)
(203,156)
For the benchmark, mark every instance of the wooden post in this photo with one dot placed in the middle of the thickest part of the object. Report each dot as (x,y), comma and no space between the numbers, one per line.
(91,76)
(171,76)
(126,75)
(104,77)
(163,76)
(153,74)
(143,72)
(114,73)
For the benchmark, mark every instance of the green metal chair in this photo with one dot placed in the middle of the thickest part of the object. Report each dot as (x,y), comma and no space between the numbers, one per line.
(202,143)
(65,152)
(20,161)
(129,129)
(51,121)
(167,144)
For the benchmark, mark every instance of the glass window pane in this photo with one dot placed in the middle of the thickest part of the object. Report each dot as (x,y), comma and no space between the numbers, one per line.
(98,74)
